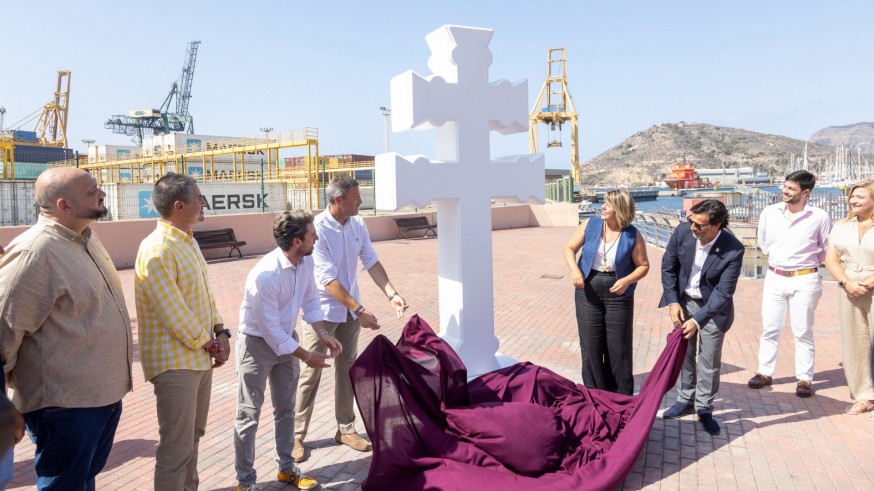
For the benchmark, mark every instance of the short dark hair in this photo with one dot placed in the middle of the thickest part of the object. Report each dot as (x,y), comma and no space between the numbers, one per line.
(805,179)
(714,209)
(290,225)
(171,188)
(339,186)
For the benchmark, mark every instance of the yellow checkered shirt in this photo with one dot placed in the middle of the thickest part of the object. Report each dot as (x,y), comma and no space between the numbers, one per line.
(176,311)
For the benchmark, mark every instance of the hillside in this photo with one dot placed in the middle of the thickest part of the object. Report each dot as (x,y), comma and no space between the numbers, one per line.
(859,135)
(647,156)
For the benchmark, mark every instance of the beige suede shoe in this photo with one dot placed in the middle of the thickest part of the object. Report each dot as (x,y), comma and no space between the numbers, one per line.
(354,440)
(298,453)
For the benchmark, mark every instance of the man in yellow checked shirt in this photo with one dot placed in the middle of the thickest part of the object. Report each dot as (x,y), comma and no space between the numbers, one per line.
(180,329)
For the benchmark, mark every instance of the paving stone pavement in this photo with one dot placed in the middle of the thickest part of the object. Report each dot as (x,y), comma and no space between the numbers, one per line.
(771,439)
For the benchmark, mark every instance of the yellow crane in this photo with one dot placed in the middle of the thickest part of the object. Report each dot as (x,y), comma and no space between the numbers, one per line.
(51,127)
(555,107)
(7,157)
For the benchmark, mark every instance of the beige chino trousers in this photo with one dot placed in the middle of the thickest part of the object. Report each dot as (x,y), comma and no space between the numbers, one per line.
(308,385)
(183,404)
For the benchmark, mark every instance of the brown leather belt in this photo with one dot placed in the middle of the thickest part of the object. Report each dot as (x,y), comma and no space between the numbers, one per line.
(793,273)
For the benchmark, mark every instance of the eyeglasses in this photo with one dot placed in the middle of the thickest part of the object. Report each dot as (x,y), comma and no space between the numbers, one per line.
(695,225)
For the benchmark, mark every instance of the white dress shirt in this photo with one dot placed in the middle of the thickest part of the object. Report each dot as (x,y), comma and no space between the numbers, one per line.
(336,257)
(701,252)
(796,243)
(276,290)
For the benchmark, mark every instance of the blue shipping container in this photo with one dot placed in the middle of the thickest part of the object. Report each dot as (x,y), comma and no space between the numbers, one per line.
(25,136)
(42,155)
(364,175)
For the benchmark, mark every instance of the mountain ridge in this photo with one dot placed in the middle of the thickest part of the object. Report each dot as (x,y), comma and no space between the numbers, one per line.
(646,157)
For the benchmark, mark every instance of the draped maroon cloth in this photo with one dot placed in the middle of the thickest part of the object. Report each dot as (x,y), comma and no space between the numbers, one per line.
(422,417)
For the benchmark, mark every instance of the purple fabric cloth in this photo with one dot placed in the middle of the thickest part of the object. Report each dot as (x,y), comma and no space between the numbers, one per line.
(404,390)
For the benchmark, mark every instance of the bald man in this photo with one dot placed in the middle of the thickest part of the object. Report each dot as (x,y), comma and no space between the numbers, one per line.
(65,333)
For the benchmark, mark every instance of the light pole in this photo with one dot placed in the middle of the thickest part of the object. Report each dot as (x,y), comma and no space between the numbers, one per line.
(88,142)
(386,111)
(266,131)
(2,116)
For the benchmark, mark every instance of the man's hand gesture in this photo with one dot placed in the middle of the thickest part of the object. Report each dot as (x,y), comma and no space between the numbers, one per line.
(400,305)
(330,342)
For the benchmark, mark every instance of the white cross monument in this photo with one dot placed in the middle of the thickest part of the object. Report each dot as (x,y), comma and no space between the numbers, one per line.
(458,101)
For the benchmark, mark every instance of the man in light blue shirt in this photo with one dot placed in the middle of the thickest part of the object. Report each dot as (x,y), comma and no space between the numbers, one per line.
(343,241)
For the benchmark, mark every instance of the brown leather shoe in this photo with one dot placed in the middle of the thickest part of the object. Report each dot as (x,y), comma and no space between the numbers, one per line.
(298,453)
(354,440)
(758,381)
(804,389)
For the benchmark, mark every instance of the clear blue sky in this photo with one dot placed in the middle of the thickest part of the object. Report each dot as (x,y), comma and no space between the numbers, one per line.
(780,67)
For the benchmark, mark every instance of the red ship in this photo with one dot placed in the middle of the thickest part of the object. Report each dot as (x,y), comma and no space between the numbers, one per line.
(684,176)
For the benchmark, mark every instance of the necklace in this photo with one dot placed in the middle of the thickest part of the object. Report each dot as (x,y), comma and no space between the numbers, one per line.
(605,249)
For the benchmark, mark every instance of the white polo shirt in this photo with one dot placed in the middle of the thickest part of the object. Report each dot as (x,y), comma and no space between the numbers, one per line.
(336,257)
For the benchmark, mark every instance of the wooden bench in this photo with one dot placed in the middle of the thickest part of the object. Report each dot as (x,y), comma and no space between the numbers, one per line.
(414,223)
(223,237)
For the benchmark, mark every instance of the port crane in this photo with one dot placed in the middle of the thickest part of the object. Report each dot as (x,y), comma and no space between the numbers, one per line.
(50,131)
(51,119)
(161,121)
(555,107)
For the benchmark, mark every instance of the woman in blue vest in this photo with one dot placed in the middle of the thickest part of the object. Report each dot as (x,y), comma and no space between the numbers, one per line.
(612,262)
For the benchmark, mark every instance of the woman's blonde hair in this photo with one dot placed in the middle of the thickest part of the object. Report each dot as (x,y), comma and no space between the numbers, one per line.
(868,186)
(623,204)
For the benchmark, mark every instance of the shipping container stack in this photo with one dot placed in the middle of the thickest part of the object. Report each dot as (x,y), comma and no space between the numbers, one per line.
(31,158)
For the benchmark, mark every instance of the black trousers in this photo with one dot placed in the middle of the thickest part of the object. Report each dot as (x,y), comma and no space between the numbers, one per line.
(605,323)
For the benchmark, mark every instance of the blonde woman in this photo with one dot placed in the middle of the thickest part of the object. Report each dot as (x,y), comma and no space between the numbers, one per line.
(605,275)
(850,260)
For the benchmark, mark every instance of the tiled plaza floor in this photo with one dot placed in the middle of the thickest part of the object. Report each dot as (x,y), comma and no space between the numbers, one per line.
(770,439)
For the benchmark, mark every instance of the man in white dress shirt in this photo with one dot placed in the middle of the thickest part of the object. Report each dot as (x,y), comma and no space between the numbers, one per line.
(700,271)
(343,240)
(794,236)
(278,287)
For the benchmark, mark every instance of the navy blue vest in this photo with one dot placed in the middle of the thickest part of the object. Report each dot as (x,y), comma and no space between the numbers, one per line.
(624,265)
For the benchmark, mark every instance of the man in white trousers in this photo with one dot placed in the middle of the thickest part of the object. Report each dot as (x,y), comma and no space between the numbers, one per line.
(794,235)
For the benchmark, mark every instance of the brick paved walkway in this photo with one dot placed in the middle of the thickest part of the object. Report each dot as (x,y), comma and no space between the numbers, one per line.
(770,440)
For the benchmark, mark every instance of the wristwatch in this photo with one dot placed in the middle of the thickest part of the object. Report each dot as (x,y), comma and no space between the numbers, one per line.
(226,332)
(359,310)
(842,283)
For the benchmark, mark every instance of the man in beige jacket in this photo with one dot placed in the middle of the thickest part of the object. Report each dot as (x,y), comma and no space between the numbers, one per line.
(65,332)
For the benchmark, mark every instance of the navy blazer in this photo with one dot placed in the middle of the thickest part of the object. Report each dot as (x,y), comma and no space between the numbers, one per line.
(718,276)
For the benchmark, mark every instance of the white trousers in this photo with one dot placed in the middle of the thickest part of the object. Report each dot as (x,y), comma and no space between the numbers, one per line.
(798,294)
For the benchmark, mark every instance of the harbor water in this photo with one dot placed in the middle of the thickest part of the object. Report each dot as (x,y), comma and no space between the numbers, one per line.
(830,199)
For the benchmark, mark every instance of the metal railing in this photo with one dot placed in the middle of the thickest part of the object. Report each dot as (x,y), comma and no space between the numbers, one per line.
(657,230)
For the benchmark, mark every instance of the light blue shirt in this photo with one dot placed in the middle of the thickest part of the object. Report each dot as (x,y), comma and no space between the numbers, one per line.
(336,257)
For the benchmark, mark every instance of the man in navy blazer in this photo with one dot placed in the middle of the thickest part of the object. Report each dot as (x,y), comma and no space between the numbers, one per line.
(700,269)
